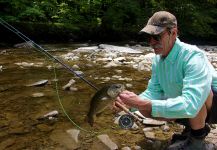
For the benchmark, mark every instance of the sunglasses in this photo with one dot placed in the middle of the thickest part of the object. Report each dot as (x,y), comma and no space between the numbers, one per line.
(155,37)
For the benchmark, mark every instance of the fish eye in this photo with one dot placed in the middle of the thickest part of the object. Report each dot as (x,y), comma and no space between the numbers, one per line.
(117,86)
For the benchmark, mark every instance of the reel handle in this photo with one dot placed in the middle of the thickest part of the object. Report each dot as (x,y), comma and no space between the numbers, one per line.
(126,110)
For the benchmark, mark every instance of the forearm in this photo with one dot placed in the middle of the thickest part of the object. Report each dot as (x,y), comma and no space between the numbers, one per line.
(145,107)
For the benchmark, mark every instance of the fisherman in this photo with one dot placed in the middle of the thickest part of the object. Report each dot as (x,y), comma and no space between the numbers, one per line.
(183,85)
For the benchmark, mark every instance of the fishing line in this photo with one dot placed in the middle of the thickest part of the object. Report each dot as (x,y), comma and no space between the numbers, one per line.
(40,49)
(64,111)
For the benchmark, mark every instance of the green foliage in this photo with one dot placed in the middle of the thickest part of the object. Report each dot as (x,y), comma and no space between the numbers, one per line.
(123,15)
(195,17)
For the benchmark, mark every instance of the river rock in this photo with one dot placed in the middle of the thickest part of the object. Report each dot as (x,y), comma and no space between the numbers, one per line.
(111,64)
(165,128)
(119,49)
(64,139)
(153,122)
(104,138)
(24,64)
(68,85)
(39,83)
(126,148)
(49,116)
(137,147)
(74,133)
(28,44)
(45,127)
(37,94)
(147,129)
(87,49)
(150,135)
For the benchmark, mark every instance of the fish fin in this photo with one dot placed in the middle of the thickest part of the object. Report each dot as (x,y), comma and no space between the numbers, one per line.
(90,119)
(100,111)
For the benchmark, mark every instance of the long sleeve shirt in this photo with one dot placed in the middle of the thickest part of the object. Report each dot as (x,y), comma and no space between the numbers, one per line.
(180,83)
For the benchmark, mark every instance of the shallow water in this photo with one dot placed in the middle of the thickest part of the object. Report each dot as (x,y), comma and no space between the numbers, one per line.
(19,127)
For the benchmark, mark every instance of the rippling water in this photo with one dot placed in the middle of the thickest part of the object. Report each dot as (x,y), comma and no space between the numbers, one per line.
(19,127)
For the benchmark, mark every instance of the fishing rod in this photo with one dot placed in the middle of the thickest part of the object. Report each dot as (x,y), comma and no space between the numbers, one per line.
(126,122)
(40,49)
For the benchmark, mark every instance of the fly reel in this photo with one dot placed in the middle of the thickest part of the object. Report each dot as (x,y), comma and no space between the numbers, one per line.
(126,121)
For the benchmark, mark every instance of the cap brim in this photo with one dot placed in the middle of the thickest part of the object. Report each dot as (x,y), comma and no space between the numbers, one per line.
(150,29)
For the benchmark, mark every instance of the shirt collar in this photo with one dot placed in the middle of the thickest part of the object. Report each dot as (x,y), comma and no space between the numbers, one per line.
(174,52)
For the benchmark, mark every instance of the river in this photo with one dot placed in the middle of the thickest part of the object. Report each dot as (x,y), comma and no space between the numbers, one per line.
(20,109)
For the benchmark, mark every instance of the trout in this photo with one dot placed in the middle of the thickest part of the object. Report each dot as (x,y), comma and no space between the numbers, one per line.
(102,99)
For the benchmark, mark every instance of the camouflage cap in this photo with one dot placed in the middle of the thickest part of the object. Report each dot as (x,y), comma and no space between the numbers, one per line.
(159,22)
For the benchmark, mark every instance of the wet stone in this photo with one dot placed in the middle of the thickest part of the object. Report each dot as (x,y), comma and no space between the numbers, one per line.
(18,130)
(147,129)
(150,135)
(165,128)
(37,94)
(137,147)
(126,148)
(64,139)
(44,128)
(74,133)
(39,83)
(107,141)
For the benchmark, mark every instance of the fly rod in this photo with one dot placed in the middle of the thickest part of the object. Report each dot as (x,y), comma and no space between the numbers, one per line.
(71,70)
(39,48)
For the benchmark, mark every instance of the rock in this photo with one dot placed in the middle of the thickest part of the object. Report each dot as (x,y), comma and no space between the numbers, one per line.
(75,67)
(39,83)
(119,49)
(137,147)
(153,122)
(80,73)
(44,127)
(74,134)
(150,135)
(128,85)
(28,44)
(147,129)
(126,148)
(118,71)
(64,139)
(24,64)
(87,49)
(213,126)
(50,116)
(70,56)
(73,89)
(111,64)
(37,94)
(135,126)
(68,85)
(165,128)
(107,141)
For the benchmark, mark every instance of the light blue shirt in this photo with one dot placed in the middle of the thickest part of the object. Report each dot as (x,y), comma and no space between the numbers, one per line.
(180,83)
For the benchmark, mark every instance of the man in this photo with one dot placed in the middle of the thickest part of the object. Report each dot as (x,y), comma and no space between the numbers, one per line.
(181,86)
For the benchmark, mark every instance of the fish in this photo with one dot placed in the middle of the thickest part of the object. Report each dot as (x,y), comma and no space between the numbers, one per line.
(101,100)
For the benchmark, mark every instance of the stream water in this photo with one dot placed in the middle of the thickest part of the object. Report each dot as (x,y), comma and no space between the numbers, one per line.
(19,109)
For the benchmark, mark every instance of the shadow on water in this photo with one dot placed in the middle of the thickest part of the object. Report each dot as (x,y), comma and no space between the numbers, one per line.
(19,127)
